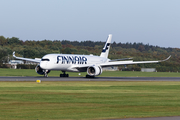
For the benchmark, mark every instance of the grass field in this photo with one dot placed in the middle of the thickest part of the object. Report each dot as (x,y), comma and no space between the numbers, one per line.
(31,72)
(88,100)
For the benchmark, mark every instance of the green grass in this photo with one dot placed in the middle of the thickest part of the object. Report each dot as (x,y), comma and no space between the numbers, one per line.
(88,100)
(31,72)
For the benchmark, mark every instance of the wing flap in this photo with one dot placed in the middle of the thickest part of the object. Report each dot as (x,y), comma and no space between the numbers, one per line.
(120,59)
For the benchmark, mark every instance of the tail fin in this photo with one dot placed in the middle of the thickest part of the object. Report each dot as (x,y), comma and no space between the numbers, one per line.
(106,48)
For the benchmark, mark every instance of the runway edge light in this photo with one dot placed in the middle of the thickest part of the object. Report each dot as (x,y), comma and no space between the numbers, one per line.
(38,81)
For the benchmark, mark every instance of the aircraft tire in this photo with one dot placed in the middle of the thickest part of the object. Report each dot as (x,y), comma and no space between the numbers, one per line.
(64,75)
(45,75)
(67,75)
(88,76)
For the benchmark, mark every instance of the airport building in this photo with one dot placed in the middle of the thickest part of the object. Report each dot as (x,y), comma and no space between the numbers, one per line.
(148,69)
(16,62)
(110,68)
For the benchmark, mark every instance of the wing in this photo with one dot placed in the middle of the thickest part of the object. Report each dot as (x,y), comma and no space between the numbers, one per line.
(120,59)
(106,64)
(27,59)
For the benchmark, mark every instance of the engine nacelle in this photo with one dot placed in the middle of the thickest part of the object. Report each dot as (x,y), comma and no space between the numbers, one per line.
(94,70)
(40,71)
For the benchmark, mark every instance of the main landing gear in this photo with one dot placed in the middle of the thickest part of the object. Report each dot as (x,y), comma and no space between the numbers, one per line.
(88,76)
(64,74)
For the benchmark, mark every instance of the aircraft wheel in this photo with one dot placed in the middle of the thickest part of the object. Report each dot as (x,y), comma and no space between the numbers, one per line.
(64,75)
(88,76)
(67,75)
(61,75)
(45,75)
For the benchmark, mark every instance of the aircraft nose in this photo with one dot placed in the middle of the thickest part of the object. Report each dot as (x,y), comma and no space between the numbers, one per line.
(43,65)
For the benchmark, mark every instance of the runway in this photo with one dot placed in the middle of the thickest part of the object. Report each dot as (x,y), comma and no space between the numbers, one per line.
(90,79)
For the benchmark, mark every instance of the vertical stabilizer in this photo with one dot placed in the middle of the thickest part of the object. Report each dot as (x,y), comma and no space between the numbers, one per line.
(106,48)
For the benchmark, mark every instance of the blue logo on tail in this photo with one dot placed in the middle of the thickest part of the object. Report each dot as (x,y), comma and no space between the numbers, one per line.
(106,48)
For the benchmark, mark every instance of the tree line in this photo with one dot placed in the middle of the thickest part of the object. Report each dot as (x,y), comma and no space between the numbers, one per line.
(139,51)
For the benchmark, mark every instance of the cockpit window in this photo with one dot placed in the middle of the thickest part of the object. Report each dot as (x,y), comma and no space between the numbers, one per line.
(45,60)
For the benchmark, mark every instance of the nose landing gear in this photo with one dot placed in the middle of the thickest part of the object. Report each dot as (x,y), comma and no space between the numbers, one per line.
(64,74)
(46,73)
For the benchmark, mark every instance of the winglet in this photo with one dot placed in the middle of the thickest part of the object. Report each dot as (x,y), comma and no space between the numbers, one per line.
(165,59)
(14,54)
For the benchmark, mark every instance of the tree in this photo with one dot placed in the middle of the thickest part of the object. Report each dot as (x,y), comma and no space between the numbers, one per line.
(141,48)
(3,40)
(14,40)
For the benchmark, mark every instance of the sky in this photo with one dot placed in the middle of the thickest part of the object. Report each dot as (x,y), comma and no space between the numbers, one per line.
(153,22)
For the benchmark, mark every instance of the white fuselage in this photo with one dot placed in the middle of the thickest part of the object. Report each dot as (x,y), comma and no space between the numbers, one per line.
(70,62)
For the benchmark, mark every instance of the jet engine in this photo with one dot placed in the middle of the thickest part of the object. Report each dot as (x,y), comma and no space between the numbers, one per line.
(94,70)
(40,71)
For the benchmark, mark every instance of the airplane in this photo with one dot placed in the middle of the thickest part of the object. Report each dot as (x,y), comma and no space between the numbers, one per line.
(80,63)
